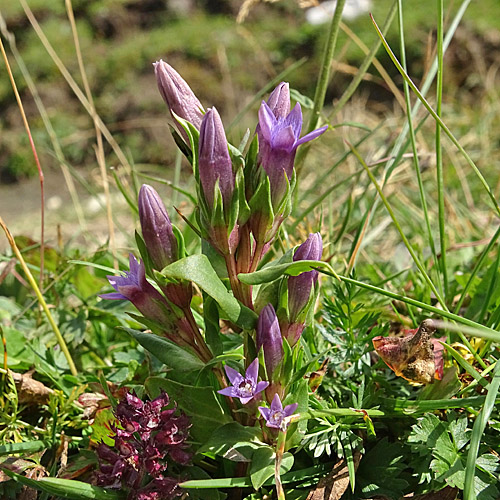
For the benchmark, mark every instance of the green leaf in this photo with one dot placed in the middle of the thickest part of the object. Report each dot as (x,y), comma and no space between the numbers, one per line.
(197,268)
(167,352)
(271,273)
(212,329)
(66,488)
(199,403)
(240,482)
(234,442)
(383,461)
(262,468)
(25,448)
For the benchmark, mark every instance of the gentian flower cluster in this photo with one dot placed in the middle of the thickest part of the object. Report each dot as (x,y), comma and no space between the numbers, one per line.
(147,435)
(242,200)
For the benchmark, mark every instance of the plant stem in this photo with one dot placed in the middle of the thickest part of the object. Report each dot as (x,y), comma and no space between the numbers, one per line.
(323,79)
(439,150)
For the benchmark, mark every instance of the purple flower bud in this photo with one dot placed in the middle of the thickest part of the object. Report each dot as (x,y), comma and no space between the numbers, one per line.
(160,240)
(214,160)
(245,388)
(269,338)
(299,287)
(179,97)
(279,100)
(278,142)
(277,416)
(135,287)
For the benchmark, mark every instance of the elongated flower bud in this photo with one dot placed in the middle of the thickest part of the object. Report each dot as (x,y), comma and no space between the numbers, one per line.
(179,97)
(299,287)
(160,240)
(269,338)
(214,160)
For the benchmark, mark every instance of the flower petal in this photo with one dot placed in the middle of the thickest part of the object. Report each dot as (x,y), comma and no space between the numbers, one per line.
(267,120)
(289,409)
(284,139)
(252,372)
(229,391)
(260,387)
(311,135)
(276,404)
(234,377)
(294,119)
(265,412)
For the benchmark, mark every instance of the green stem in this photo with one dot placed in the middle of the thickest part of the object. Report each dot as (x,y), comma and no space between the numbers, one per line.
(323,79)
(280,450)
(439,150)
(411,131)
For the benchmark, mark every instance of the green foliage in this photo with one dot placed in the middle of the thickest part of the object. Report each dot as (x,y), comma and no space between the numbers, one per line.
(439,449)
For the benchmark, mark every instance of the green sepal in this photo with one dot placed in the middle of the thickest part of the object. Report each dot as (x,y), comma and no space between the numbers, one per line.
(237,158)
(284,207)
(184,148)
(143,251)
(181,245)
(244,141)
(261,206)
(242,213)
(251,159)
(216,213)
(194,137)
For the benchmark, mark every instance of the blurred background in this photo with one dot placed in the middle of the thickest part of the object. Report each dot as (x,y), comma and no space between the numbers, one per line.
(228,51)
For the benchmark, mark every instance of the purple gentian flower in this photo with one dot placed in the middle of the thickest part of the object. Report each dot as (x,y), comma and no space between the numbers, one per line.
(160,240)
(214,160)
(270,339)
(299,287)
(278,143)
(276,416)
(179,97)
(134,286)
(245,388)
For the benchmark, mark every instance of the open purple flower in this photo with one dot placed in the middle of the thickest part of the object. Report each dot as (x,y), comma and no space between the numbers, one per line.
(134,286)
(244,387)
(276,415)
(179,97)
(278,143)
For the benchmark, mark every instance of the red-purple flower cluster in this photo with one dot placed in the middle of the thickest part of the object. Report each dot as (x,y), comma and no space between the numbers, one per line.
(147,434)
